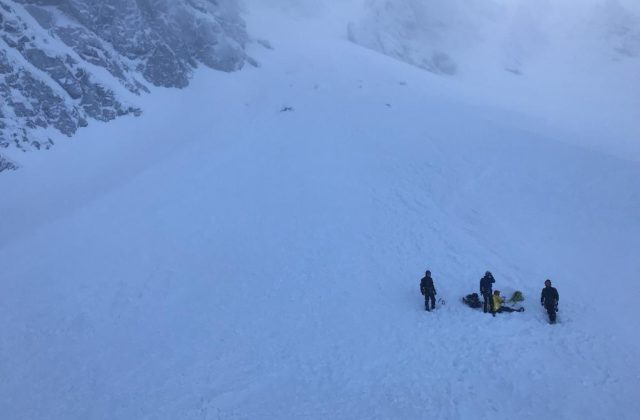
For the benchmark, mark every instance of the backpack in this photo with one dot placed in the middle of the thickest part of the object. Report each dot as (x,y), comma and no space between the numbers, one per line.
(472,300)
(517,297)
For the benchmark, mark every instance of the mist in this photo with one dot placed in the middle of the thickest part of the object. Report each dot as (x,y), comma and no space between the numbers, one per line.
(559,62)
(500,33)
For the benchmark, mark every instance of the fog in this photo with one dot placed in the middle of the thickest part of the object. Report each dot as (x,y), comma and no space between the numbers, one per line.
(561,60)
(506,33)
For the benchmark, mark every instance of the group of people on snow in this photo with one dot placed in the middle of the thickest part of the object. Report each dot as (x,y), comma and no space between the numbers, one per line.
(493,302)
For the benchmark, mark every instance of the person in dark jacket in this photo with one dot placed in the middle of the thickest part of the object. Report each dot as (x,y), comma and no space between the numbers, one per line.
(486,290)
(428,290)
(549,299)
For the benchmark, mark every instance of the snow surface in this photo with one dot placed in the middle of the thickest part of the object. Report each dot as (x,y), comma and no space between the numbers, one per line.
(262,264)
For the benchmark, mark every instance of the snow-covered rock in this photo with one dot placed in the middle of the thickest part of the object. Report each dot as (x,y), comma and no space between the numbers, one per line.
(420,33)
(6,164)
(65,62)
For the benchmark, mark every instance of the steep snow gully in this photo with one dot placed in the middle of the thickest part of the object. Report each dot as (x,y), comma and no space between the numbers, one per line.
(220,257)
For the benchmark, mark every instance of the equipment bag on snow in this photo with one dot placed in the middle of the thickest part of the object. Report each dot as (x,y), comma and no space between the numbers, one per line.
(516,297)
(472,300)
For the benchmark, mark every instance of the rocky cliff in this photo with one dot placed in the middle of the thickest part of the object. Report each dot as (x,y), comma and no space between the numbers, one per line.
(66,62)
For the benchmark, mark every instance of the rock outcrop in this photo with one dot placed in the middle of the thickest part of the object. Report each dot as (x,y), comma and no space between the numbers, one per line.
(66,62)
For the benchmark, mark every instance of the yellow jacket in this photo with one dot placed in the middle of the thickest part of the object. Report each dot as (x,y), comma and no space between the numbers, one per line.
(497,302)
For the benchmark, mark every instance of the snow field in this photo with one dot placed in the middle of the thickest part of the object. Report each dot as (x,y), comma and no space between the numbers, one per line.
(217,258)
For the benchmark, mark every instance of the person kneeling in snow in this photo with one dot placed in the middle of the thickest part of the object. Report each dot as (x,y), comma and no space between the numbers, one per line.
(428,290)
(498,301)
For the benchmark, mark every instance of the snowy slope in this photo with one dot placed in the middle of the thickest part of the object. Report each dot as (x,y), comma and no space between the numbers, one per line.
(218,258)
